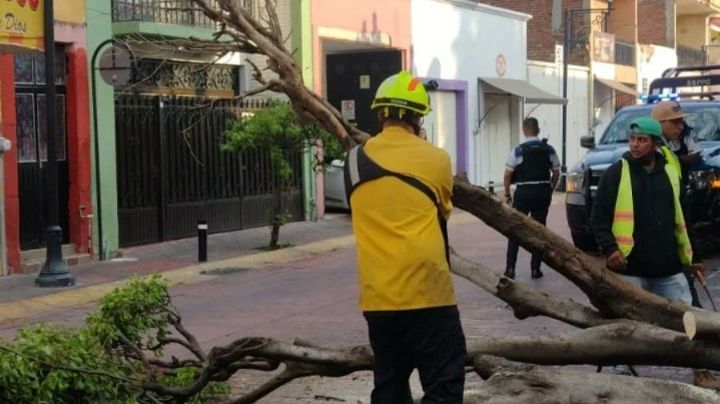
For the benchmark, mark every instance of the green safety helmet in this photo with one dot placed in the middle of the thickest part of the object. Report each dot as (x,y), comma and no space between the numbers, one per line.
(402,91)
(646,126)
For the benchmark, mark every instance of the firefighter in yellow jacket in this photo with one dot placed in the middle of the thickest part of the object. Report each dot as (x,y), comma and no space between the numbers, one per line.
(399,188)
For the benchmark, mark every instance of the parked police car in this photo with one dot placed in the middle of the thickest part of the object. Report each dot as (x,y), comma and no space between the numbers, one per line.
(703,115)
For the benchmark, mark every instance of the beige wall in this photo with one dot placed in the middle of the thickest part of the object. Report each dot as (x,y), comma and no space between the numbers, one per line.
(692,30)
(70,11)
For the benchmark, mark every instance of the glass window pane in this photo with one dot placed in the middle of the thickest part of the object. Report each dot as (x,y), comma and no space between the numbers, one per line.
(25,114)
(24,68)
(60,69)
(42,127)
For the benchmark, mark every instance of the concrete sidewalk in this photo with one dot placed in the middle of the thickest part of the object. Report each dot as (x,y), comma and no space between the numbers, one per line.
(19,297)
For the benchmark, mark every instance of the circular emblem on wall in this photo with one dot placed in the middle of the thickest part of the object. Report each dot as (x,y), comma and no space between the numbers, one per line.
(500,65)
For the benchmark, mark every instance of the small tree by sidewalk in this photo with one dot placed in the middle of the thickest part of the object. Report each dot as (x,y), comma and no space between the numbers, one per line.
(277,130)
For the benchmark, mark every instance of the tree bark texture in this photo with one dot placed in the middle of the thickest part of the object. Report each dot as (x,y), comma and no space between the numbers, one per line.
(511,383)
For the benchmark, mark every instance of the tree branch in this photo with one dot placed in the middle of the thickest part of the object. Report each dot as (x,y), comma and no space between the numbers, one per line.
(525,301)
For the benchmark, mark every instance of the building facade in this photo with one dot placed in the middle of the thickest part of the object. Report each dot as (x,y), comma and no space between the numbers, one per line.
(22,79)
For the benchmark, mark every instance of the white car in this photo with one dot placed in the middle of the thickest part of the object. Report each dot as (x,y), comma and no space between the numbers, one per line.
(335,186)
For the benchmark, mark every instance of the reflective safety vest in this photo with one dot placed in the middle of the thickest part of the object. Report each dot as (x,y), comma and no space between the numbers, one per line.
(624,221)
(672,159)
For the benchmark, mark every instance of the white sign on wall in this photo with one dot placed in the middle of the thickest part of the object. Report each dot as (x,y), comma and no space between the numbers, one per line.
(348,109)
(365,82)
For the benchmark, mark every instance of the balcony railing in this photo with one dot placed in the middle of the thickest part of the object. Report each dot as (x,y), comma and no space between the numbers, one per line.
(689,56)
(181,12)
(624,54)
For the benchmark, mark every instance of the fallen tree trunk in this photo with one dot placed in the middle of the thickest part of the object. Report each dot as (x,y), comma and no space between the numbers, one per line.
(625,342)
(510,382)
(524,300)
(701,325)
(613,297)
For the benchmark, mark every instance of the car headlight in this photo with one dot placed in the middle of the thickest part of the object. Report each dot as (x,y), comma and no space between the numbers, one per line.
(705,180)
(714,183)
(574,182)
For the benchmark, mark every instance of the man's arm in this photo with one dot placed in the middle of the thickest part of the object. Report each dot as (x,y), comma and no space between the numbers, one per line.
(555,178)
(555,164)
(694,149)
(510,165)
(446,187)
(507,179)
(603,211)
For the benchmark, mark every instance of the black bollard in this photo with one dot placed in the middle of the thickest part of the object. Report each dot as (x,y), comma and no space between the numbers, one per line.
(202,240)
(491,187)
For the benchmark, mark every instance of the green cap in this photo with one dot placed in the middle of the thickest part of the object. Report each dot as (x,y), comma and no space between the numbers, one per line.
(646,126)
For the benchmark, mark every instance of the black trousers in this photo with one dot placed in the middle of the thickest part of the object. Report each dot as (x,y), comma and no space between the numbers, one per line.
(430,340)
(533,200)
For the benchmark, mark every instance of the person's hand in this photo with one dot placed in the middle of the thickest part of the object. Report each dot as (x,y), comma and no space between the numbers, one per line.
(698,271)
(508,199)
(617,262)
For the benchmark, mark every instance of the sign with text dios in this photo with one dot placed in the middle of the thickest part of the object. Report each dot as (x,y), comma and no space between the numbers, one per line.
(21,24)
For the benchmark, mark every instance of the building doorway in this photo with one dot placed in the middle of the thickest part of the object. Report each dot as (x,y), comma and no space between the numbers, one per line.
(30,107)
(353,80)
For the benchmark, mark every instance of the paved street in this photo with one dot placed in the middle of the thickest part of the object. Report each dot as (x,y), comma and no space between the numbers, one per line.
(315,298)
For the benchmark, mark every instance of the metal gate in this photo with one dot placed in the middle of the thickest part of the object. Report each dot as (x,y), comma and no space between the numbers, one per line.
(172,172)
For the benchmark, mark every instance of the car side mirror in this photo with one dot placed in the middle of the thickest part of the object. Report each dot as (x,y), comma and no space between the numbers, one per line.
(587,142)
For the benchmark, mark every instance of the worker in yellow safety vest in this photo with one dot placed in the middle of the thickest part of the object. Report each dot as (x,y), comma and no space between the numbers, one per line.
(637,218)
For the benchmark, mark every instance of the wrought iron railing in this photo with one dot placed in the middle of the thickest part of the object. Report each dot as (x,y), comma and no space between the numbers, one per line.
(689,56)
(624,54)
(181,12)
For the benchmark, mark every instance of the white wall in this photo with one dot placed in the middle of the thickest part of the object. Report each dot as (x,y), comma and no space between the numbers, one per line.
(548,76)
(604,110)
(461,40)
(440,124)
(652,62)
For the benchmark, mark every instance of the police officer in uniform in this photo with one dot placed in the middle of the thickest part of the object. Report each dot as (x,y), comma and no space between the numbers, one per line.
(534,168)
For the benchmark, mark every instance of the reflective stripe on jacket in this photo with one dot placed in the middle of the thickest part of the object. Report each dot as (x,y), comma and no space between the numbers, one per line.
(672,159)
(624,218)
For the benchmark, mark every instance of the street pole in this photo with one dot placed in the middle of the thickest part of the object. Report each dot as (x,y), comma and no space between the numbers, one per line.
(54,273)
(567,28)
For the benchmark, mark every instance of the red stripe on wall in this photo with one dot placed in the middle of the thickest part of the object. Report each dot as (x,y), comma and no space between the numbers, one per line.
(78,138)
(12,196)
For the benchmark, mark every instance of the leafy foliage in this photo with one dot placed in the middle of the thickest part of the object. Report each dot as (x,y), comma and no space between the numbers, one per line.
(278,131)
(52,364)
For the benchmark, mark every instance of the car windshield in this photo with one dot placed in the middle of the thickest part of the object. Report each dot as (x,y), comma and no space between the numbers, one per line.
(705,121)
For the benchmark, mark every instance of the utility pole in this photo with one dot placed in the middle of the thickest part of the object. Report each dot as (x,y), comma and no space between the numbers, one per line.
(571,38)
(567,32)
(54,273)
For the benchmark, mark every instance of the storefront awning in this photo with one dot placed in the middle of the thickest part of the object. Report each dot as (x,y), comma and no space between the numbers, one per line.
(617,86)
(520,88)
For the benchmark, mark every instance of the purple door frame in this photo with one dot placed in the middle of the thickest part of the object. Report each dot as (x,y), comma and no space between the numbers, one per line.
(460,88)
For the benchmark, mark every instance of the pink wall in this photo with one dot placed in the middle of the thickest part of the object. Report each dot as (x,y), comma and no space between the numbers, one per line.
(391,17)
(388,17)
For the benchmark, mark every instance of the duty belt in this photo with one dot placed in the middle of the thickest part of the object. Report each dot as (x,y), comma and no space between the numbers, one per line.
(532,183)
